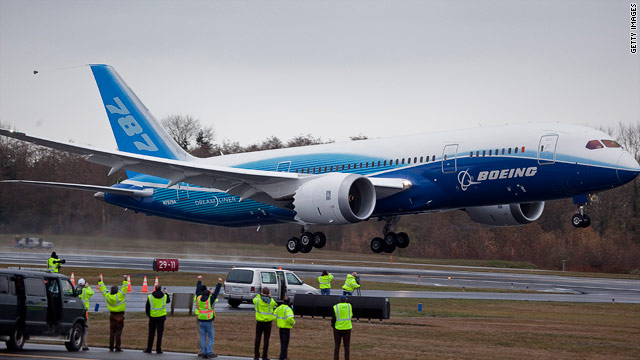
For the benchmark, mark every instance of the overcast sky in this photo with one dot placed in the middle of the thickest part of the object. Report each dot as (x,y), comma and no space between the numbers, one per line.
(331,68)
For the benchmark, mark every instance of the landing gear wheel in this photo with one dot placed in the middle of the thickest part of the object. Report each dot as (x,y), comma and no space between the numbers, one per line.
(319,240)
(402,240)
(234,303)
(305,249)
(75,338)
(306,239)
(377,244)
(586,221)
(390,242)
(577,220)
(16,340)
(293,246)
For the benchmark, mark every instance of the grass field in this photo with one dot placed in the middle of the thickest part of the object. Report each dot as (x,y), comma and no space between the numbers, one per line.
(446,329)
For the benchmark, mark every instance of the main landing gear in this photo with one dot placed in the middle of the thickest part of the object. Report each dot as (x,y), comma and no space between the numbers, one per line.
(390,240)
(306,242)
(580,220)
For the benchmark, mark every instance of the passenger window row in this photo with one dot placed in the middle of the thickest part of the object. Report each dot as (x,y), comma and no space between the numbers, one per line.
(365,165)
(497,152)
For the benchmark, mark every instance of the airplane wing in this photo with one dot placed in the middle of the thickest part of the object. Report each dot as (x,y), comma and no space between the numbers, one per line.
(83,187)
(271,187)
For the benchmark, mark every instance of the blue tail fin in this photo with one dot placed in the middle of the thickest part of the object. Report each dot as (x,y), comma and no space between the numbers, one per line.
(135,129)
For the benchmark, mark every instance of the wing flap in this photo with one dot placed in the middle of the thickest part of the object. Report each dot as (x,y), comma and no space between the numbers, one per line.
(85,187)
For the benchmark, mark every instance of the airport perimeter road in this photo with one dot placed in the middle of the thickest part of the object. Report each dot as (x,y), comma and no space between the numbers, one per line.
(549,287)
(59,352)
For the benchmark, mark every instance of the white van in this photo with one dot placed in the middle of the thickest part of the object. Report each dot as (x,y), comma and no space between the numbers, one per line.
(243,284)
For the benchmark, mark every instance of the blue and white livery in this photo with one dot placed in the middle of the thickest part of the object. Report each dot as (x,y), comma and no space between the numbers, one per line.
(499,175)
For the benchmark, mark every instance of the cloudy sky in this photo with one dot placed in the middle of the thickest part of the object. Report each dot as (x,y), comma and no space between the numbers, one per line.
(331,68)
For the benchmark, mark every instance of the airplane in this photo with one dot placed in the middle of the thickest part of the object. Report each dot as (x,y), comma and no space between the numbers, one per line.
(499,175)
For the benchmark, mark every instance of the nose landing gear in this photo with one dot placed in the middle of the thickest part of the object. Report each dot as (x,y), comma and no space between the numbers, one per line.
(582,220)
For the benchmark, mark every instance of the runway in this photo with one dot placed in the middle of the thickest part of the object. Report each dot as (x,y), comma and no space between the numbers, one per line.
(546,287)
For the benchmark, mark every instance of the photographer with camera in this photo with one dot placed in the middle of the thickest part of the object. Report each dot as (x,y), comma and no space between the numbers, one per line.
(53,264)
(350,283)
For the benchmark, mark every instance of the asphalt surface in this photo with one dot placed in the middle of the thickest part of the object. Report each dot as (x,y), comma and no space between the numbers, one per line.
(547,287)
(42,351)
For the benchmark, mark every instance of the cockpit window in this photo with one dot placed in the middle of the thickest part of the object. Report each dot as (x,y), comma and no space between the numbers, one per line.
(594,144)
(611,143)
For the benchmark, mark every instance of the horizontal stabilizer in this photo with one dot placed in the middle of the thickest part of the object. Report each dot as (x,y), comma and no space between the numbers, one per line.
(84,187)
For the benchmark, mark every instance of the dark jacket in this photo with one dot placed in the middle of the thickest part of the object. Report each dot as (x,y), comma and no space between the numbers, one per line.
(207,294)
(158,295)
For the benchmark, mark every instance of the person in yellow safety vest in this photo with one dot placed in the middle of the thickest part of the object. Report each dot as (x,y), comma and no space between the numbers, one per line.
(156,309)
(85,295)
(341,324)
(206,315)
(350,284)
(116,305)
(285,321)
(325,283)
(264,307)
(53,264)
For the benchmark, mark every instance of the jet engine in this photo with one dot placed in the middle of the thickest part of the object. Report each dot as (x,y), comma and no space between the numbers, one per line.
(506,215)
(335,198)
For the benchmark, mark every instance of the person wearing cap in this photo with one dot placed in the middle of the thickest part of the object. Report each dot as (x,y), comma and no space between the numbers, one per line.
(156,310)
(264,306)
(325,282)
(285,322)
(350,284)
(341,324)
(206,314)
(53,264)
(116,304)
(85,294)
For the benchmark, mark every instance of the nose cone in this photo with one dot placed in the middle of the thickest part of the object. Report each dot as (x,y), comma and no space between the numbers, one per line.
(628,168)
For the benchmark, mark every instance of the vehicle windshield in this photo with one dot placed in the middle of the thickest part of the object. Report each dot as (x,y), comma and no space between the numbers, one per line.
(611,143)
(594,144)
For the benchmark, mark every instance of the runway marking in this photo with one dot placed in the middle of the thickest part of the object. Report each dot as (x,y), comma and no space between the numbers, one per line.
(44,357)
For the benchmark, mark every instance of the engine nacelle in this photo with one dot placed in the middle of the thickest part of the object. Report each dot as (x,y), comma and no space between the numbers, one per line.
(335,198)
(506,215)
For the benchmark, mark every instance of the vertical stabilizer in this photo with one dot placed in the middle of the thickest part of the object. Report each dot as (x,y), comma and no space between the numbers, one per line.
(135,129)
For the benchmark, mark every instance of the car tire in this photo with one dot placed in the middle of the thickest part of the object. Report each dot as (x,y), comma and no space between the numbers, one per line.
(75,337)
(234,303)
(16,340)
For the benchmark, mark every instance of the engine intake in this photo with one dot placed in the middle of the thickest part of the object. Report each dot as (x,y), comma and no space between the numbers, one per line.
(506,215)
(335,198)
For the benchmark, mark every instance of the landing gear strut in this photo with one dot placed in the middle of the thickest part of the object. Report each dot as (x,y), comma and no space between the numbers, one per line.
(582,220)
(391,240)
(306,242)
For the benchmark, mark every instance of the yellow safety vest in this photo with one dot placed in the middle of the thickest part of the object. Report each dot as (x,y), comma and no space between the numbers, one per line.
(204,310)
(325,281)
(264,311)
(53,267)
(350,283)
(195,305)
(86,294)
(157,307)
(284,317)
(344,313)
(116,302)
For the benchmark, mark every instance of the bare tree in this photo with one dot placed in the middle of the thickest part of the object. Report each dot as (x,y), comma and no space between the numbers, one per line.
(187,131)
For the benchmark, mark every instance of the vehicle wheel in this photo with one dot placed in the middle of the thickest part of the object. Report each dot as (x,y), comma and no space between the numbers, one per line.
(75,338)
(319,240)
(586,221)
(306,239)
(390,242)
(293,245)
(402,240)
(376,245)
(305,249)
(234,303)
(577,220)
(16,340)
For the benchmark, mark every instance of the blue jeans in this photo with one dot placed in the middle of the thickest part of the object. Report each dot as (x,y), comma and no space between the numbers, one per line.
(325,291)
(206,328)
(346,293)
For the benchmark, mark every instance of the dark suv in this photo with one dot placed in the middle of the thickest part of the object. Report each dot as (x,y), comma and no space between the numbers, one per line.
(38,305)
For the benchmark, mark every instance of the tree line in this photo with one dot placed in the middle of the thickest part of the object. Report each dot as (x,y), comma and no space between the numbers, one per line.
(611,244)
